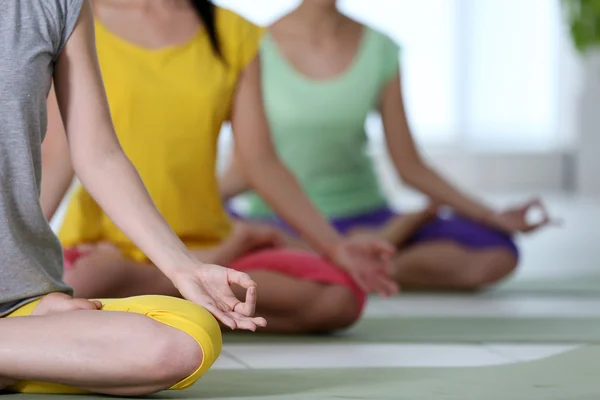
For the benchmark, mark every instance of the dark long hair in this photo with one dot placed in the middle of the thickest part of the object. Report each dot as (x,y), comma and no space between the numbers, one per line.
(206,12)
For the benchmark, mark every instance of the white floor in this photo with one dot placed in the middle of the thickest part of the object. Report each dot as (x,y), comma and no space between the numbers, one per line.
(557,253)
(278,356)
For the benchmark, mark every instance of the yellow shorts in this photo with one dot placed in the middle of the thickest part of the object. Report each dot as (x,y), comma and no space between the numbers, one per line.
(177,313)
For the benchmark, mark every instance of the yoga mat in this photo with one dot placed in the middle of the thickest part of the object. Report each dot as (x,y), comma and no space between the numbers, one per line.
(571,286)
(448,330)
(570,376)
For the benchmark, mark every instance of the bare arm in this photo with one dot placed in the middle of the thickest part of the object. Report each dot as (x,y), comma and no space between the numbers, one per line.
(265,171)
(56,165)
(233,181)
(365,260)
(97,156)
(409,164)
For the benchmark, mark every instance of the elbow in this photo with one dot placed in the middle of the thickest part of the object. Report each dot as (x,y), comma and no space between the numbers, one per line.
(411,173)
(87,158)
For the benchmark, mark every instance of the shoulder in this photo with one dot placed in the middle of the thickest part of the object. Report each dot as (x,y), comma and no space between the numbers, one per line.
(53,20)
(239,38)
(383,41)
(385,53)
(233,27)
(63,11)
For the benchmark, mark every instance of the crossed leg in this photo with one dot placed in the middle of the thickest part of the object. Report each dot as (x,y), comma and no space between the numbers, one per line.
(443,263)
(290,303)
(159,342)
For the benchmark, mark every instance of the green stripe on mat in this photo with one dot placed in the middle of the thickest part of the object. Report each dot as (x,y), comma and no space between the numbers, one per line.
(571,286)
(570,376)
(445,330)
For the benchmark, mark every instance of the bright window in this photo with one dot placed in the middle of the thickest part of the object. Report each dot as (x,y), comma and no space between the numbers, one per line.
(477,73)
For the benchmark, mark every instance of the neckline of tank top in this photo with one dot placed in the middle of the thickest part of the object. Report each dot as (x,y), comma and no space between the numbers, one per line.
(148,50)
(352,66)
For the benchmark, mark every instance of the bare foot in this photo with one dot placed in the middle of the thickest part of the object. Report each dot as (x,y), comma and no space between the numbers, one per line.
(60,302)
(400,229)
(244,238)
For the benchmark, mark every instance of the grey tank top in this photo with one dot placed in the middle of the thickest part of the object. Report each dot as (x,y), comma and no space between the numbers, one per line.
(32,36)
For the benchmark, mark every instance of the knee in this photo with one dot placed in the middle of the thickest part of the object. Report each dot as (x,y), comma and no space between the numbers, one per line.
(336,308)
(184,340)
(488,268)
(172,357)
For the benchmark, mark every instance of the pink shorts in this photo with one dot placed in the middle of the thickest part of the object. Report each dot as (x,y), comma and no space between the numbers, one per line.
(294,263)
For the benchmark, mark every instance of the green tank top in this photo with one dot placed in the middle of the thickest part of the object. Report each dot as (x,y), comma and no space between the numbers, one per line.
(318,127)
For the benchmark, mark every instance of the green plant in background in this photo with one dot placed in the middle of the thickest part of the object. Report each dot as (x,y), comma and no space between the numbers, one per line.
(583,18)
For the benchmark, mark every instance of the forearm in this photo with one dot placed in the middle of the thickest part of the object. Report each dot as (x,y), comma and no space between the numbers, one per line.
(429,182)
(232,182)
(58,176)
(282,192)
(116,186)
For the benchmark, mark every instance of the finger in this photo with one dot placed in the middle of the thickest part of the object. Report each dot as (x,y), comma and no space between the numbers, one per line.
(548,222)
(227,302)
(360,281)
(97,303)
(260,322)
(83,304)
(247,323)
(385,264)
(389,286)
(538,204)
(381,285)
(221,316)
(533,227)
(248,307)
(240,278)
(383,248)
(244,322)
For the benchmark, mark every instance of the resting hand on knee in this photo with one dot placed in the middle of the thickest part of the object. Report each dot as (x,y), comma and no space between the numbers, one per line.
(367,260)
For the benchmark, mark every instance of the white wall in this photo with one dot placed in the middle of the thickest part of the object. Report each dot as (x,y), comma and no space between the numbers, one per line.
(587,122)
(487,84)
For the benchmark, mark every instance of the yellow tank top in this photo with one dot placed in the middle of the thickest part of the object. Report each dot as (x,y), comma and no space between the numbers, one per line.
(168,106)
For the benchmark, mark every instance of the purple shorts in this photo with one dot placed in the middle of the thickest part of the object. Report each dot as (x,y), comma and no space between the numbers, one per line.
(452,227)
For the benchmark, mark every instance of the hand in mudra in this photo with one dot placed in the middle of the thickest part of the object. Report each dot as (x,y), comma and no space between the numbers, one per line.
(516,219)
(209,286)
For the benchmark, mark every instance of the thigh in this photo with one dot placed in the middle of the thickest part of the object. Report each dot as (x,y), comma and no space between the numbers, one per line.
(466,232)
(105,272)
(300,265)
(176,313)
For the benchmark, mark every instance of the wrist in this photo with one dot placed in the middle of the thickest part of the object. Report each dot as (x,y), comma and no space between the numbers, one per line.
(489,217)
(174,262)
(330,247)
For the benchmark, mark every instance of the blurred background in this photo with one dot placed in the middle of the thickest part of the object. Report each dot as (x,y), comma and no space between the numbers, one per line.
(495,80)
(501,101)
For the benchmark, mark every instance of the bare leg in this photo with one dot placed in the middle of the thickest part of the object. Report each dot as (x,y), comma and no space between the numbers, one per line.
(104,273)
(400,229)
(79,349)
(449,266)
(297,306)
(290,305)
